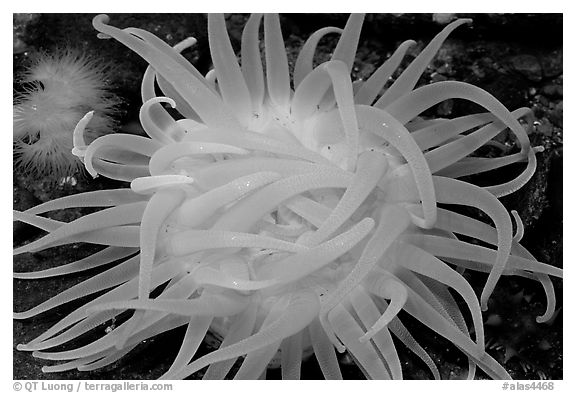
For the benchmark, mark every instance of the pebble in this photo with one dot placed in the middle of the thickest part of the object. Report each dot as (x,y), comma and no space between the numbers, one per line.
(552,64)
(529,66)
(556,115)
(553,90)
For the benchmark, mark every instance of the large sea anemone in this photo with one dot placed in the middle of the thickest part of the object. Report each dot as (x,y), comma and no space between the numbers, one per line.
(287,215)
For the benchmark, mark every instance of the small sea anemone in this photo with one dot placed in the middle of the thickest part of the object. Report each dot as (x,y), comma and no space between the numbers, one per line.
(59,88)
(286,217)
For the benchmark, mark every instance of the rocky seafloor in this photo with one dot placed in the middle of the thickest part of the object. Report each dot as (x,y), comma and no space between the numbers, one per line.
(515,57)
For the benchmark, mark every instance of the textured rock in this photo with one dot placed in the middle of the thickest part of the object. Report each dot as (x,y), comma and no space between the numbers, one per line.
(528,66)
(502,53)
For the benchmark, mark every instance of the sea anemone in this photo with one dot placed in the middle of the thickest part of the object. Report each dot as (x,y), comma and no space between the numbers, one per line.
(59,88)
(287,217)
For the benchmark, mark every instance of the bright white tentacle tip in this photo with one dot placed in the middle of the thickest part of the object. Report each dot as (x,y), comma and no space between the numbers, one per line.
(185,43)
(397,293)
(79,149)
(149,184)
(211,77)
(156,100)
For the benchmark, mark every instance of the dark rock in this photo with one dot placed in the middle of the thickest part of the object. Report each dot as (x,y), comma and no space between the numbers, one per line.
(552,64)
(543,100)
(545,127)
(445,108)
(553,90)
(556,114)
(23,200)
(476,55)
(527,65)
(20,24)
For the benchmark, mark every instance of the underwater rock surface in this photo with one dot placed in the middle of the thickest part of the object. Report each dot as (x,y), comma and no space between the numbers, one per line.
(520,69)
